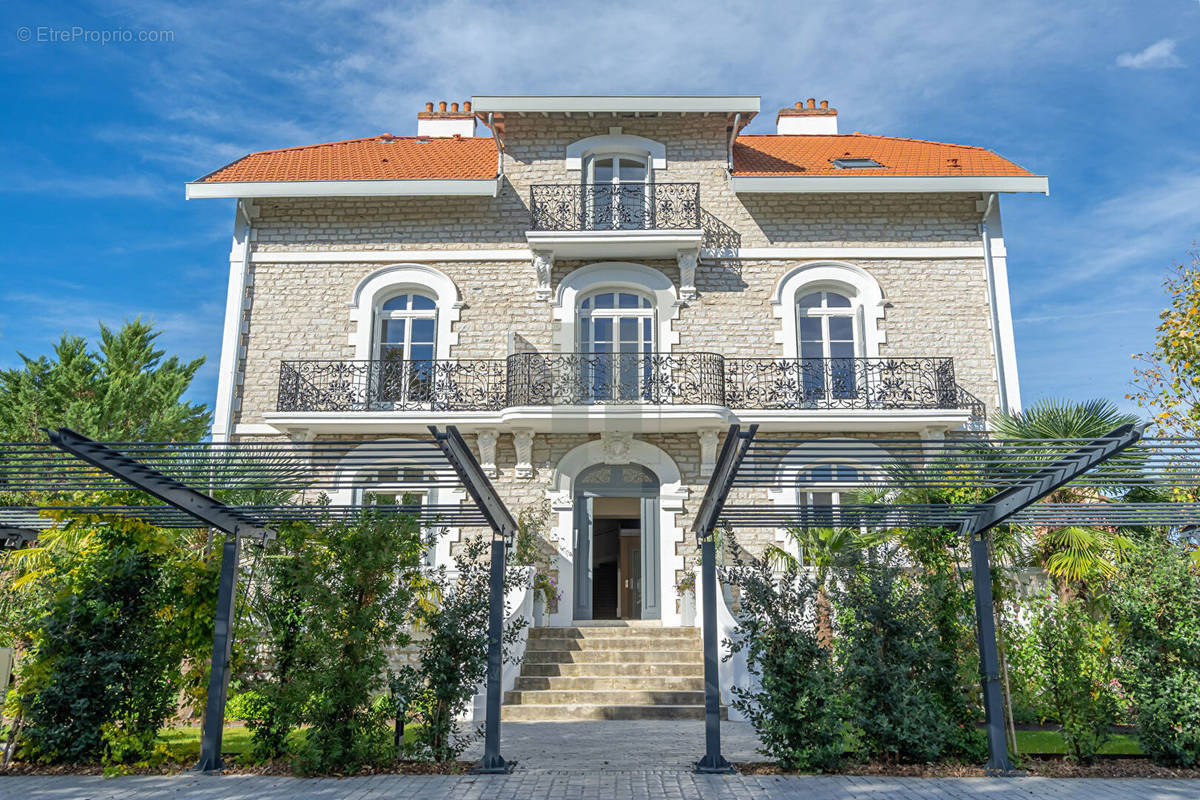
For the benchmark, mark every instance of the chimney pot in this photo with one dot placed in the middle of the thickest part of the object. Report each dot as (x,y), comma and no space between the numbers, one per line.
(812,102)
(454,108)
(799,104)
(467,107)
(429,107)
(824,104)
(442,107)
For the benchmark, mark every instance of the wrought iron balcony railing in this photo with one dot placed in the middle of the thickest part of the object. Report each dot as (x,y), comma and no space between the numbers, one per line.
(559,379)
(614,207)
(864,383)
(392,385)
(571,379)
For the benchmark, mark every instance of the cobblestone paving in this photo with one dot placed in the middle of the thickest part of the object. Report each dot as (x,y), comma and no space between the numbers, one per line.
(596,761)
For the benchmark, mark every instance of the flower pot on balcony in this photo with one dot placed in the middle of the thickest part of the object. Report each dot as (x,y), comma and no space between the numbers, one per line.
(539,610)
(687,609)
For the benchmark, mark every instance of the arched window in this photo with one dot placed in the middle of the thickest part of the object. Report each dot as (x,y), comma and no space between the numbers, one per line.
(616,191)
(407,486)
(829,340)
(406,332)
(616,345)
(822,488)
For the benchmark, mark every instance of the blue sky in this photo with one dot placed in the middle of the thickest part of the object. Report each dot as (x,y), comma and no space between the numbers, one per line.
(100,138)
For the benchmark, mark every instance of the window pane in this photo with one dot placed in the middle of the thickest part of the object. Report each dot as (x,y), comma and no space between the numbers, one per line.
(422,330)
(645,303)
(812,350)
(422,303)
(629,329)
(835,300)
(603,330)
(841,328)
(810,300)
(422,352)
(604,300)
(647,332)
(846,473)
(841,350)
(585,332)
(392,331)
(821,474)
(399,303)
(625,300)
(586,303)
(634,171)
(810,329)
(602,170)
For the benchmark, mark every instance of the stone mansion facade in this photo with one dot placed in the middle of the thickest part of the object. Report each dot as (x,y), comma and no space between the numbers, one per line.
(593,288)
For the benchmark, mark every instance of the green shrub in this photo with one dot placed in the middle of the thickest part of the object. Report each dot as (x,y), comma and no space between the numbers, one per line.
(104,669)
(1075,654)
(355,600)
(892,669)
(453,653)
(797,709)
(1155,595)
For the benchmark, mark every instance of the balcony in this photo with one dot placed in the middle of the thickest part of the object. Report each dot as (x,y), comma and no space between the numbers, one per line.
(578,220)
(563,386)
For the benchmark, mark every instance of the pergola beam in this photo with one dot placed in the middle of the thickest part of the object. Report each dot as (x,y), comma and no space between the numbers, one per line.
(733,450)
(504,531)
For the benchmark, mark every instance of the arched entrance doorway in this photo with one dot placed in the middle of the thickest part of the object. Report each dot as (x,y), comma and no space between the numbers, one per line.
(616,559)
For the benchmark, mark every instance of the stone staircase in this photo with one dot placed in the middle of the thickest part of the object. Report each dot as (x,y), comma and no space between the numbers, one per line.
(609,671)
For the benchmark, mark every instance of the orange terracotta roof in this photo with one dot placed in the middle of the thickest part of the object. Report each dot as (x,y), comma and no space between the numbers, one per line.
(810,155)
(378,158)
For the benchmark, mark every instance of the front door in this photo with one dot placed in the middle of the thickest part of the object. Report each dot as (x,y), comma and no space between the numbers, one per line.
(641,487)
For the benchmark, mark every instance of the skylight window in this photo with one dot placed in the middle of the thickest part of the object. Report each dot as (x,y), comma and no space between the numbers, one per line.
(857,163)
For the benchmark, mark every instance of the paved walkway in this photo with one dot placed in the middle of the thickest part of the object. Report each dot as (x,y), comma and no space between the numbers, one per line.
(561,761)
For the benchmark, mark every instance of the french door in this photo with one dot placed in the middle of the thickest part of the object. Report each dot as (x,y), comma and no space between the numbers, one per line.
(827,327)
(616,192)
(407,326)
(616,345)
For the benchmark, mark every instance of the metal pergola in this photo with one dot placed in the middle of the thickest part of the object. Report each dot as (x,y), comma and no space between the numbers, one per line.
(1010,476)
(159,483)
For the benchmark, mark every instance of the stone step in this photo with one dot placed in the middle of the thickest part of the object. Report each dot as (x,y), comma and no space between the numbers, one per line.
(603,669)
(662,683)
(620,643)
(610,656)
(602,697)
(563,713)
(607,632)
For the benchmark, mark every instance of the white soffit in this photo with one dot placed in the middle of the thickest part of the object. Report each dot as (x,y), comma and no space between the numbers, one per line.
(1038,184)
(487,187)
(605,104)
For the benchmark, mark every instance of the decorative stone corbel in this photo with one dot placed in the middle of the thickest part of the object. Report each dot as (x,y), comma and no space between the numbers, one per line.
(615,445)
(485,440)
(523,442)
(687,273)
(543,266)
(708,451)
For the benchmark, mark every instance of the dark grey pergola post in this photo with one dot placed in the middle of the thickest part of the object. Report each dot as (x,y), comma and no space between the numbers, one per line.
(211,513)
(504,530)
(990,514)
(732,452)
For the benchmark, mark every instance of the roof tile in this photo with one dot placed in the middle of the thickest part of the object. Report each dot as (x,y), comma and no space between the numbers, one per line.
(812,155)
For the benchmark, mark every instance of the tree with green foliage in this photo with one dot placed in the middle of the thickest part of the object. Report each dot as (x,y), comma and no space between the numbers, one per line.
(103,671)
(123,390)
(453,651)
(1155,599)
(1168,381)
(1074,555)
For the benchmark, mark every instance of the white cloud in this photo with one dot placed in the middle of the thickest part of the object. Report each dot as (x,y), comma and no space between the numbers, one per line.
(1160,55)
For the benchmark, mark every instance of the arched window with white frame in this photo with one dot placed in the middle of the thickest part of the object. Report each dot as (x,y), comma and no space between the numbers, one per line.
(616,345)
(829,342)
(405,346)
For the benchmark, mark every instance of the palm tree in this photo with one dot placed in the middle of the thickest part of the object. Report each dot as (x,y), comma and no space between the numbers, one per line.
(1072,554)
(822,549)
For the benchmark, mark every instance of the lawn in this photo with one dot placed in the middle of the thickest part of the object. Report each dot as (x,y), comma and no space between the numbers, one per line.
(1034,743)
(235,741)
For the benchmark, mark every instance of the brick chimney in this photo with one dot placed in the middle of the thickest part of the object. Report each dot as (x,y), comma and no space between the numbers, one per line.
(446,122)
(810,119)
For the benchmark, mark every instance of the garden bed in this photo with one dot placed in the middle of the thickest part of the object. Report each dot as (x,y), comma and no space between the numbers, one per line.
(1041,767)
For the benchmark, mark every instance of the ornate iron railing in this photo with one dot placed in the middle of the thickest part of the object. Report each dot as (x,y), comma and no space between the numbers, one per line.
(392,384)
(557,379)
(535,379)
(614,207)
(870,383)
